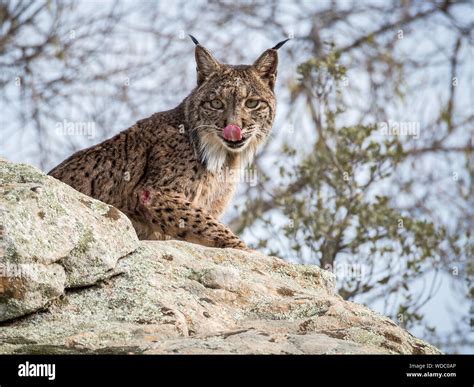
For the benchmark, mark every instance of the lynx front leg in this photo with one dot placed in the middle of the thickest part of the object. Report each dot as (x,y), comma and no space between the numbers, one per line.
(173,215)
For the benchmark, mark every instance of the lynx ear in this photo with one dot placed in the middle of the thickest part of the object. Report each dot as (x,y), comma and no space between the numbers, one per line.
(266,65)
(206,64)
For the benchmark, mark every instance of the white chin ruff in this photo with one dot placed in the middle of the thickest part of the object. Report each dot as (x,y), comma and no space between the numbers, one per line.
(215,155)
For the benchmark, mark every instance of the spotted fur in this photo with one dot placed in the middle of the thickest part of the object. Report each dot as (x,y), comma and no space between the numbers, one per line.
(167,172)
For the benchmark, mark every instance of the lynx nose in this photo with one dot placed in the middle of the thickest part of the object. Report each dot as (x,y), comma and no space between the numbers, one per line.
(232,132)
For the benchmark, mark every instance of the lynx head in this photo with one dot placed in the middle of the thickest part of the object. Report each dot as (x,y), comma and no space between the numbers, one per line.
(230,113)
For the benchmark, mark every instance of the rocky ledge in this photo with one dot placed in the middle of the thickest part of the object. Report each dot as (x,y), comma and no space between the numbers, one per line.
(75,279)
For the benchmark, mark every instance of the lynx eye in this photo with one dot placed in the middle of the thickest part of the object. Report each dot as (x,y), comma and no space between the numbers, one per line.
(217,104)
(252,103)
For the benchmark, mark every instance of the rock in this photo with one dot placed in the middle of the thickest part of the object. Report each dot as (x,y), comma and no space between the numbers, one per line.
(57,237)
(166,296)
(29,287)
(226,278)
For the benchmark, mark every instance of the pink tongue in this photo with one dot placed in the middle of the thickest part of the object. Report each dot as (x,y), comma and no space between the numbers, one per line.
(232,133)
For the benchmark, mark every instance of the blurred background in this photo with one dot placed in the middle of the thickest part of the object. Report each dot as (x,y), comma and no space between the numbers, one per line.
(369,169)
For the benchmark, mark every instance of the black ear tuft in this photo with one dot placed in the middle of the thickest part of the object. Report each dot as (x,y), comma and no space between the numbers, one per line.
(194,39)
(280,44)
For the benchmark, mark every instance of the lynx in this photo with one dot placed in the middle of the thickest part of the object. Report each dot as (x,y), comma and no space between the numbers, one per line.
(167,172)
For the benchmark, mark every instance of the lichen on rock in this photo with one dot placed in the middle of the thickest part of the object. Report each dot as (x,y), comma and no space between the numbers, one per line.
(102,291)
(45,226)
